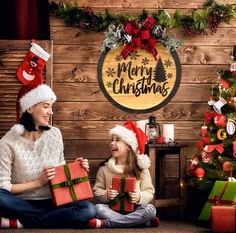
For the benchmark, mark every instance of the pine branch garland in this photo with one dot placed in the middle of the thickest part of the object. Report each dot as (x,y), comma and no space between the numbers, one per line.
(198,22)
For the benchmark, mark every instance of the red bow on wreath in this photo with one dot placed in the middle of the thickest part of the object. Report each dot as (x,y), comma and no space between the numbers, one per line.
(141,37)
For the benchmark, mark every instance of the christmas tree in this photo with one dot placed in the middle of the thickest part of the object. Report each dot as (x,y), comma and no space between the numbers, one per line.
(215,156)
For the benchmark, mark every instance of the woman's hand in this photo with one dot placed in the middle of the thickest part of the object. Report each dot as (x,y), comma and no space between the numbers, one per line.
(84,163)
(111,193)
(135,196)
(47,174)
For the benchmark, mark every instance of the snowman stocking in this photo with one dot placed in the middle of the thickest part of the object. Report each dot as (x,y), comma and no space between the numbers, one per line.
(31,69)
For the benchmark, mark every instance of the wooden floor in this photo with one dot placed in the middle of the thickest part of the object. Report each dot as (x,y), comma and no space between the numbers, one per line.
(165,226)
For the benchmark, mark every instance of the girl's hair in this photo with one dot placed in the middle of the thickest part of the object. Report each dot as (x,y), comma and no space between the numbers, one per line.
(28,122)
(132,168)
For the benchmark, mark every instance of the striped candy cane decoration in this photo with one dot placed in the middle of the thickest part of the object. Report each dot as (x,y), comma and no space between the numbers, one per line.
(9,223)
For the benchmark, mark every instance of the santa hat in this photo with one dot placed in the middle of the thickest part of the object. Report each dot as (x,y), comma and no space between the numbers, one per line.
(136,139)
(28,96)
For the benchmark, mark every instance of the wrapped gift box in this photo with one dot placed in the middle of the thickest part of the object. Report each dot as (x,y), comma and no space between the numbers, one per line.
(223,219)
(123,185)
(223,193)
(70,184)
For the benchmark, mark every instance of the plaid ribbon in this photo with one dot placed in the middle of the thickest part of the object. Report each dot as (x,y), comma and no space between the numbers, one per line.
(69,182)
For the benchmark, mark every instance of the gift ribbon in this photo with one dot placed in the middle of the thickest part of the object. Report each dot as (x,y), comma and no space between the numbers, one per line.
(141,37)
(217,200)
(121,196)
(69,182)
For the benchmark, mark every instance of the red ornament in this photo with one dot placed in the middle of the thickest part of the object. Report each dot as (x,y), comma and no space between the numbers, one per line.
(224,83)
(206,140)
(200,145)
(220,120)
(199,172)
(227,166)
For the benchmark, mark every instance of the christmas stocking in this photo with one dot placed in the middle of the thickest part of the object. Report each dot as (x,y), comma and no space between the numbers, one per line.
(9,223)
(31,69)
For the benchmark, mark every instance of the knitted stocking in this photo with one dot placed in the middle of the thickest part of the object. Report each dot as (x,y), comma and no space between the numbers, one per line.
(31,69)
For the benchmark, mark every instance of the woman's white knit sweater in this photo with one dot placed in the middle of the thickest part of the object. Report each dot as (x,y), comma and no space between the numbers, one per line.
(104,181)
(23,160)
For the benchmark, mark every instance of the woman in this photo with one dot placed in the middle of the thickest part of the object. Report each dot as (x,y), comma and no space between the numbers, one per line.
(28,154)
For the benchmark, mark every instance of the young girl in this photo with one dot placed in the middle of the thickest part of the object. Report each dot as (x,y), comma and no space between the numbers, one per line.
(127,146)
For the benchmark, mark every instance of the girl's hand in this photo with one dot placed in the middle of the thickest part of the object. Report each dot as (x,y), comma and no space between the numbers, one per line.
(135,196)
(84,163)
(111,193)
(47,174)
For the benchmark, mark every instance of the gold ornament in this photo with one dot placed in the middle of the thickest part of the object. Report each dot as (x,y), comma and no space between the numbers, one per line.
(221,134)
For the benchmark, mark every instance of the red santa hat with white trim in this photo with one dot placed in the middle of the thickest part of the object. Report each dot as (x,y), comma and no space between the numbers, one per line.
(28,96)
(136,139)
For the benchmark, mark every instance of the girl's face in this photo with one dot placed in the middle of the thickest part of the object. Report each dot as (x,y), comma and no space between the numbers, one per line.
(118,147)
(41,113)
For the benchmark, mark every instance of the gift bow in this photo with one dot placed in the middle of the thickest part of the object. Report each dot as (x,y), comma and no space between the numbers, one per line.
(69,182)
(210,148)
(141,37)
(121,196)
(217,200)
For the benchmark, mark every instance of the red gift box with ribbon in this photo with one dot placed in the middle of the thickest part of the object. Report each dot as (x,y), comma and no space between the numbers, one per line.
(223,219)
(123,185)
(70,184)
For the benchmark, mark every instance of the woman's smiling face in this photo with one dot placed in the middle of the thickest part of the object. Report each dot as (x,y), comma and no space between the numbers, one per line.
(41,113)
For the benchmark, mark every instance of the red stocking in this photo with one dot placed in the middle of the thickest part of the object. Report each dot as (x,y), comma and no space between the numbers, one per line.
(31,69)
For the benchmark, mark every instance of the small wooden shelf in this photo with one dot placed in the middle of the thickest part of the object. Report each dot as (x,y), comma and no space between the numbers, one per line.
(168,172)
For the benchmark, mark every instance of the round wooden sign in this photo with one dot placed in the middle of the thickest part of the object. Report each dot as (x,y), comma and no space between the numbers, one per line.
(139,83)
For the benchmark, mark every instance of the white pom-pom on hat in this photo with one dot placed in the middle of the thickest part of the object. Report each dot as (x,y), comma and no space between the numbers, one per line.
(143,161)
(18,129)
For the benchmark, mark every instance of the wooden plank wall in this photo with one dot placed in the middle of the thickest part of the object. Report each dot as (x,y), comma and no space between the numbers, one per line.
(83,113)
